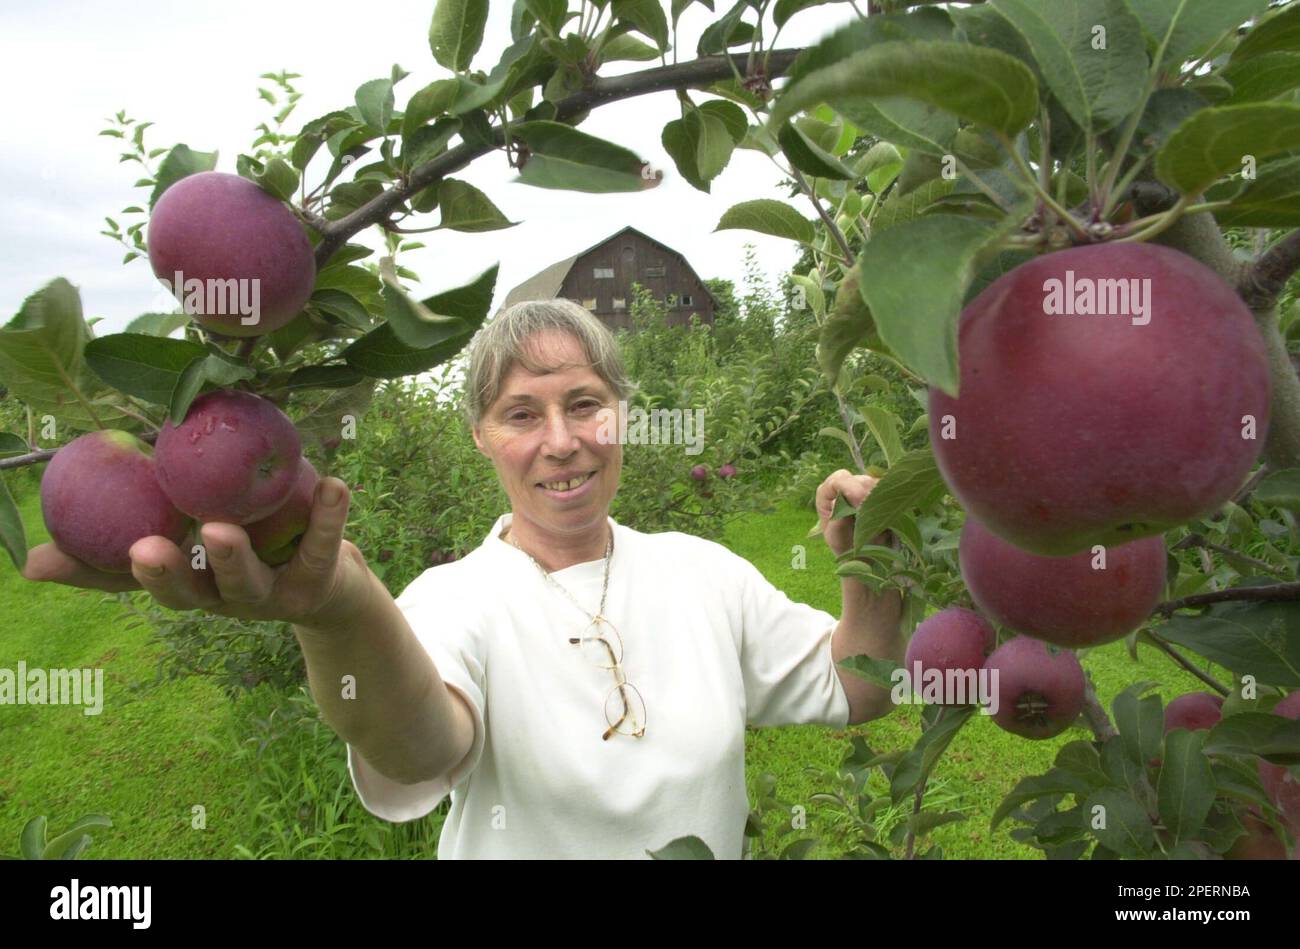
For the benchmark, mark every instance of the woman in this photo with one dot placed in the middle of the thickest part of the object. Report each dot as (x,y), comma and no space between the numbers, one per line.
(578,687)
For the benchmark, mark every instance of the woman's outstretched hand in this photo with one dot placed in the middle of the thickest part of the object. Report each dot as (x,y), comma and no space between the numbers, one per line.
(324,585)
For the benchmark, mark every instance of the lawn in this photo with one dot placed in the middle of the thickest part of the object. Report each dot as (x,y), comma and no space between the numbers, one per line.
(185,773)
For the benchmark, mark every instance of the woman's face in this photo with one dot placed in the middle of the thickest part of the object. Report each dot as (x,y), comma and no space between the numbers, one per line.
(544,428)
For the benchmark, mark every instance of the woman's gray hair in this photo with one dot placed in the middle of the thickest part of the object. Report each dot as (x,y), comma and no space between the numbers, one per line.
(502,342)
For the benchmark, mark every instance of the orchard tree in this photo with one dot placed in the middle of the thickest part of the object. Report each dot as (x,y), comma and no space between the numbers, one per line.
(1025,209)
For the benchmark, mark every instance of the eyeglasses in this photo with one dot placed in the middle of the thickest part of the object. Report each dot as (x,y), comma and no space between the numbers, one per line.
(602,645)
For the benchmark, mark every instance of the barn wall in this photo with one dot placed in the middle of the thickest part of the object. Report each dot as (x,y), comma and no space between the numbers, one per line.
(632,258)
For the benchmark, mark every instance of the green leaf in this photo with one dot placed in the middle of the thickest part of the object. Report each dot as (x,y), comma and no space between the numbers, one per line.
(433,100)
(381,355)
(916,298)
(42,361)
(323,377)
(1279,32)
(375,103)
(324,421)
(32,839)
(1281,488)
(884,429)
(456,32)
(768,216)
(916,765)
(1140,723)
(726,31)
(805,155)
(849,326)
(441,317)
(899,209)
(979,85)
(1186,28)
(731,115)
(344,307)
(700,145)
(12,534)
(647,16)
(428,142)
(276,178)
(1127,830)
(1273,737)
(1261,639)
(1265,77)
(878,672)
(787,8)
(1099,87)
(181,162)
(627,48)
(147,367)
(683,848)
(1186,787)
(1214,142)
(911,483)
(565,158)
(157,324)
(465,208)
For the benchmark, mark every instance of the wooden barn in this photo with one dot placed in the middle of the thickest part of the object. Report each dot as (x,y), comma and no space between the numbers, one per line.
(601,277)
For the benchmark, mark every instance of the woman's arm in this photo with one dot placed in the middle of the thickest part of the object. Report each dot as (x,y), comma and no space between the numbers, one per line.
(379,690)
(869,625)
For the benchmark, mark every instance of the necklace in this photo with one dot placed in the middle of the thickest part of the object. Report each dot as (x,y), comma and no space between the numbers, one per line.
(631,719)
(609,549)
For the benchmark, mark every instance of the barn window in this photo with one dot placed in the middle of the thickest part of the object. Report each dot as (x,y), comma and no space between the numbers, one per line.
(686,300)
(590,304)
(604,273)
(654,271)
(671,299)
(620,303)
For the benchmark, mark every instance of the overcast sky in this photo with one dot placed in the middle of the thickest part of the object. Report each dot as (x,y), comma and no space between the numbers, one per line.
(192,68)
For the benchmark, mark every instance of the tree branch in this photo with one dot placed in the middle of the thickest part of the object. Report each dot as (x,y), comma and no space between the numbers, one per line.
(699,72)
(1264,280)
(45,454)
(1164,646)
(1273,591)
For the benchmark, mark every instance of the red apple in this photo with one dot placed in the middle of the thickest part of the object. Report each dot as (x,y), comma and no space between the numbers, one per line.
(954,639)
(1282,787)
(223,231)
(275,538)
(1195,711)
(1062,600)
(1073,428)
(1040,689)
(235,458)
(100,494)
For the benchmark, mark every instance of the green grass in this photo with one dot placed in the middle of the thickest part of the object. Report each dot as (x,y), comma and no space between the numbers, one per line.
(271,780)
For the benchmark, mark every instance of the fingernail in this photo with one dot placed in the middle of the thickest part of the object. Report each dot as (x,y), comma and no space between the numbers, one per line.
(151,571)
(330,495)
(219,551)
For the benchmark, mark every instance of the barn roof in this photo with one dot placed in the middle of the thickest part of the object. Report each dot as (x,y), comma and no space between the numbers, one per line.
(545,284)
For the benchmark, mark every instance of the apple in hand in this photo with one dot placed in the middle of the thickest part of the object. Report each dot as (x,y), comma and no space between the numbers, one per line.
(275,538)
(234,459)
(954,639)
(100,494)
